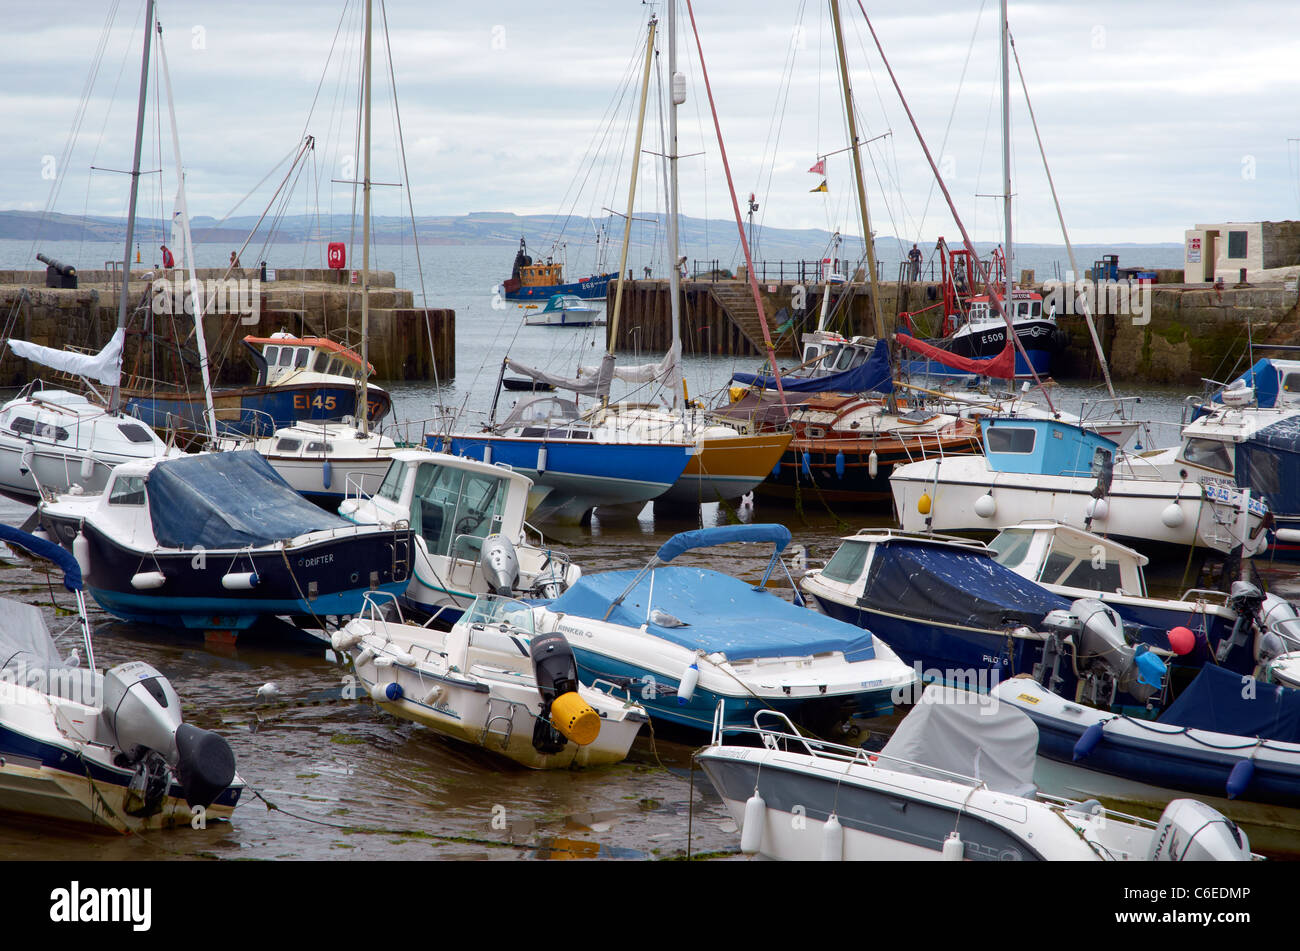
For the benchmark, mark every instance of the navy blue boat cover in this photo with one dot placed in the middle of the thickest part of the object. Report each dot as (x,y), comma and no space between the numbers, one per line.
(951,585)
(722,613)
(1214,701)
(51,551)
(1269,464)
(875,374)
(228,500)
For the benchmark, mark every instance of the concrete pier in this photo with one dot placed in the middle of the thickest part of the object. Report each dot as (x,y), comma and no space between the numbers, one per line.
(405,342)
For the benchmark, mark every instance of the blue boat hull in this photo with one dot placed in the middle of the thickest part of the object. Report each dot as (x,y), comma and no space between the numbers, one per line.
(595,287)
(262,410)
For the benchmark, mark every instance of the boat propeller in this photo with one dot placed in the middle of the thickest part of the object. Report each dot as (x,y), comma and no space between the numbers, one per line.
(564,715)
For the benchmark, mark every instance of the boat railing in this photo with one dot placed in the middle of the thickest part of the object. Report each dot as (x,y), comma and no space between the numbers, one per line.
(1208,595)
(1288,629)
(374,610)
(899,534)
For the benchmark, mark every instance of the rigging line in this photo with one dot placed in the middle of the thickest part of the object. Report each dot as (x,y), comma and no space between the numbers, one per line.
(320,84)
(778,118)
(994,302)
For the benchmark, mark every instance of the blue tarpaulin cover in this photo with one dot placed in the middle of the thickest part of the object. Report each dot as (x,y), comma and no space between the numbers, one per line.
(778,535)
(228,500)
(1269,463)
(1214,702)
(876,374)
(950,585)
(722,613)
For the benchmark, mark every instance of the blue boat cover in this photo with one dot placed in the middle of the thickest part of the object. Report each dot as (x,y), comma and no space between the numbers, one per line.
(228,500)
(778,535)
(44,548)
(1214,702)
(722,613)
(1263,376)
(1269,464)
(947,584)
(875,374)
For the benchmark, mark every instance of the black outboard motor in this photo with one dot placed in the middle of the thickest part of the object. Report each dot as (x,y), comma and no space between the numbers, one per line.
(1248,601)
(143,713)
(564,714)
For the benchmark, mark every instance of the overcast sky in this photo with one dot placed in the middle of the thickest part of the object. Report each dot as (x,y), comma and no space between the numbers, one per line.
(1155,115)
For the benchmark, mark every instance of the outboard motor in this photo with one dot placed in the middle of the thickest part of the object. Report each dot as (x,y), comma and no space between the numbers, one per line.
(1191,831)
(1249,602)
(500,564)
(143,714)
(1108,664)
(564,714)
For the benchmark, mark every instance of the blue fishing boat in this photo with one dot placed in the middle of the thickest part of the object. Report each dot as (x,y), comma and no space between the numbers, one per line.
(538,281)
(684,640)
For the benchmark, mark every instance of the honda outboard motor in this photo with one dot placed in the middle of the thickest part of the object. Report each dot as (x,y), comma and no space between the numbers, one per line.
(1191,831)
(143,714)
(500,564)
(1108,664)
(564,715)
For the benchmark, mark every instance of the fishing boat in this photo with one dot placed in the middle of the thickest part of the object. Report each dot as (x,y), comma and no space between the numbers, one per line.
(52,440)
(1057,470)
(494,682)
(102,749)
(1218,741)
(955,782)
(216,540)
(686,639)
(533,281)
(565,310)
(465,518)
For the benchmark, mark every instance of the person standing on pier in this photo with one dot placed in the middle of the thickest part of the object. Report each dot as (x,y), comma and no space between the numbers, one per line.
(914,260)
(168,260)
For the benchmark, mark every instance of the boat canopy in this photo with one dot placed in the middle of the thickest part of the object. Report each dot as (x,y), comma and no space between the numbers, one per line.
(717,613)
(228,500)
(969,734)
(875,374)
(1265,377)
(1214,702)
(1042,446)
(778,535)
(948,584)
(51,551)
(1269,464)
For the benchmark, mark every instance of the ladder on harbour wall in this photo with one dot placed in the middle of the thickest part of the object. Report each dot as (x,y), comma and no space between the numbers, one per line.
(737,302)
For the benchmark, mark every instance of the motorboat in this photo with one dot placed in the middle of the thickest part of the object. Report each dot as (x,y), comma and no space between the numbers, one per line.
(215,540)
(565,310)
(52,440)
(685,638)
(465,518)
(1036,468)
(955,782)
(494,682)
(103,749)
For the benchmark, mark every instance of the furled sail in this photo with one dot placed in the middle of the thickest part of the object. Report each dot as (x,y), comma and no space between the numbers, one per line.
(105,366)
(665,371)
(1003,366)
(594,383)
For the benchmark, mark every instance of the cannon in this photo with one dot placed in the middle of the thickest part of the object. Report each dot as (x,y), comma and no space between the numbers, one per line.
(58,274)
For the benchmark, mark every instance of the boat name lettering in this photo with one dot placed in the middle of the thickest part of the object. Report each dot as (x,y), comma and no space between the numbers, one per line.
(313,562)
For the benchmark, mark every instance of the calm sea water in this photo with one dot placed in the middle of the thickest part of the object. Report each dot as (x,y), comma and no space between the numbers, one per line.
(347,780)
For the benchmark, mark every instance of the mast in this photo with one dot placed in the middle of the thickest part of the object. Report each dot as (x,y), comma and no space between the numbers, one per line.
(631,191)
(674,276)
(196,289)
(363,400)
(115,403)
(1007,254)
(857,171)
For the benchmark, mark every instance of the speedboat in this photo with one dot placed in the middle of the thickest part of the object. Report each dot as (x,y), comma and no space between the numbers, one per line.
(494,682)
(685,639)
(1034,468)
(565,310)
(103,749)
(955,782)
(52,440)
(466,519)
(214,541)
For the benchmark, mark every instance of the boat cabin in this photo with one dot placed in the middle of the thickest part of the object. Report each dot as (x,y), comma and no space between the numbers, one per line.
(825,353)
(283,354)
(1044,447)
(1025,305)
(1062,556)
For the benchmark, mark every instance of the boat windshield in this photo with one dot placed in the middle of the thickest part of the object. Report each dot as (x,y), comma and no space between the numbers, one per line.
(544,409)
(1075,564)
(492,609)
(453,510)
(1011,547)
(846,564)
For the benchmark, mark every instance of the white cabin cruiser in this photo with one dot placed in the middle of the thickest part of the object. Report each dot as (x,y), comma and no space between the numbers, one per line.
(493,682)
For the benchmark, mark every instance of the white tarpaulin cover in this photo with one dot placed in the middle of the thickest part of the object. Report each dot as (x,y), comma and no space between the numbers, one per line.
(970,734)
(105,366)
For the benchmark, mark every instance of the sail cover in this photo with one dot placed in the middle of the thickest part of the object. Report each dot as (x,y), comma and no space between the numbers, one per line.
(228,500)
(593,384)
(105,366)
(875,374)
(1003,366)
(665,371)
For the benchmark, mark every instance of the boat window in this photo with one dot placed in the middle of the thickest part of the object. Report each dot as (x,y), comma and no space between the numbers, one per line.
(287,445)
(491,609)
(335,368)
(322,361)
(319,447)
(1036,308)
(1291,383)
(301,358)
(134,432)
(391,487)
(1011,439)
(127,490)
(26,426)
(271,353)
(1092,574)
(846,354)
(286,356)
(1209,453)
(454,510)
(1011,547)
(810,353)
(846,564)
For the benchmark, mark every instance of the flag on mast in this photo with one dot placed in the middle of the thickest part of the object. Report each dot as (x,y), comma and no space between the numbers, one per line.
(819,168)
(820,188)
